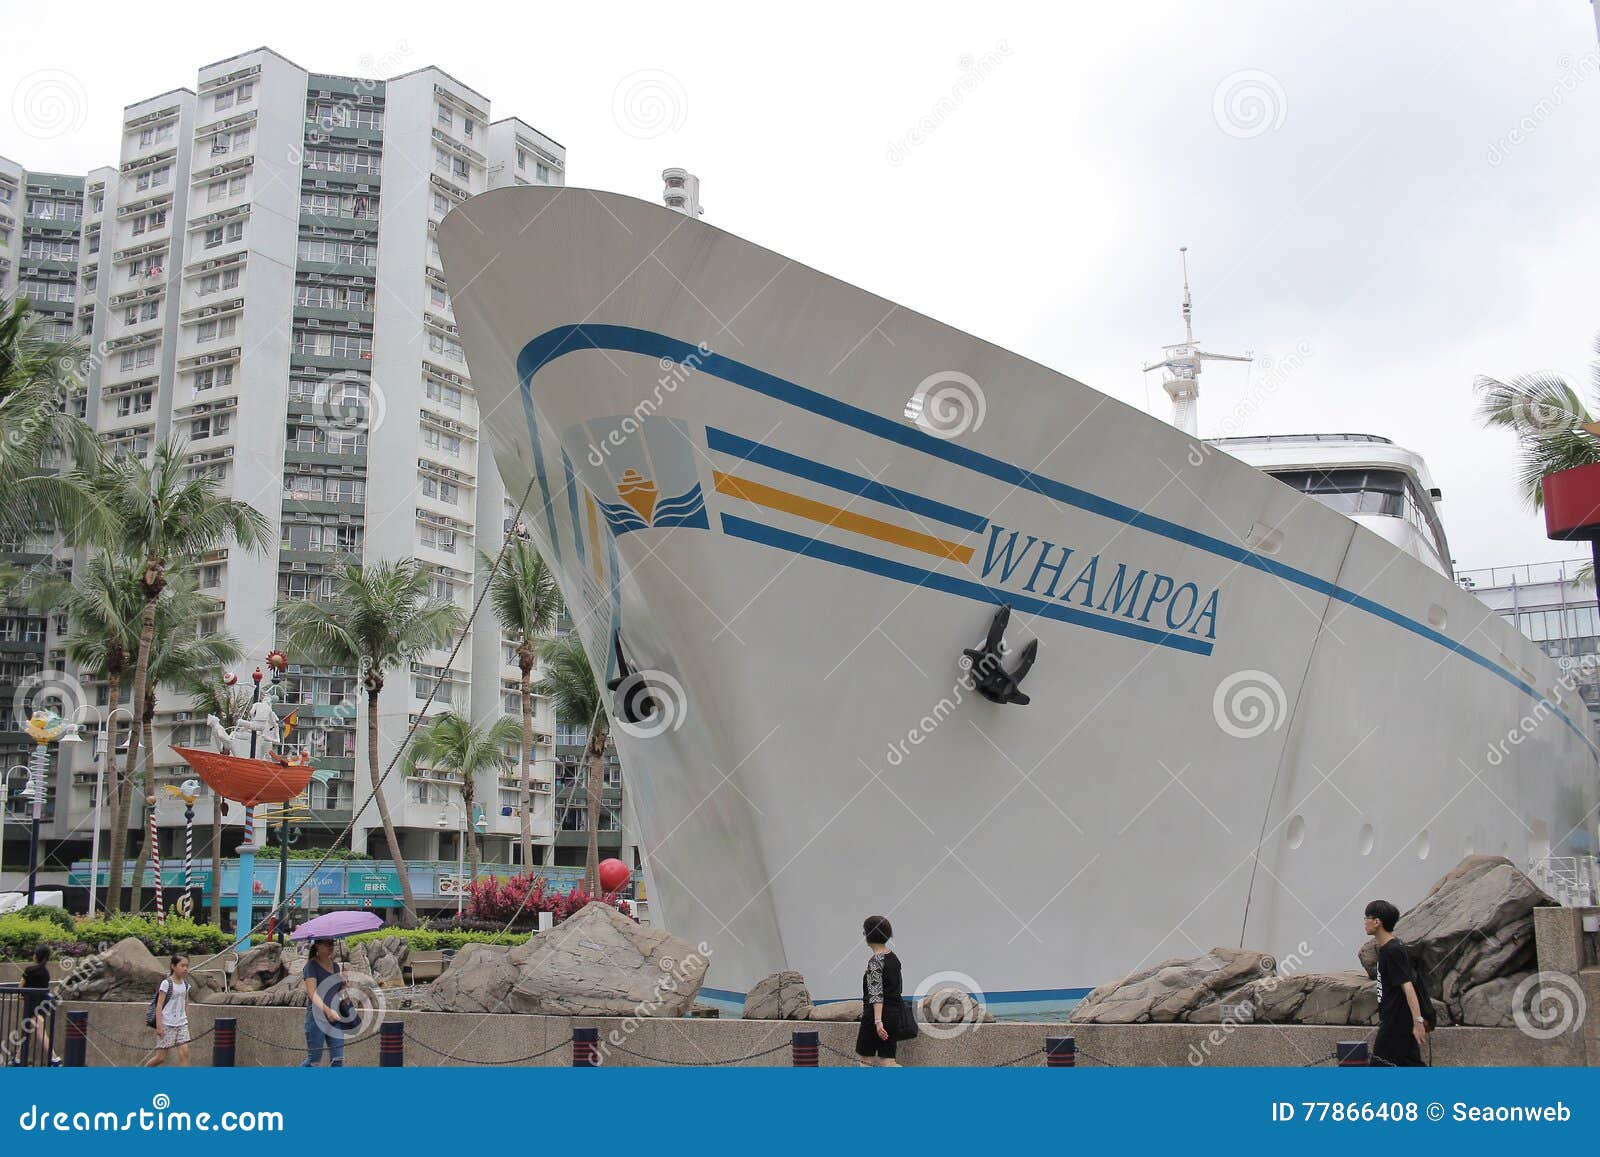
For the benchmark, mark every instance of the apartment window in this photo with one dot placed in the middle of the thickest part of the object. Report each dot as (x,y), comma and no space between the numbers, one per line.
(338,252)
(443,393)
(441,203)
(50,250)
(216,329)
(436,537)
(443,491)
(522,159)
(47,210)
(145,311)
(341,161)
(443,588)
(332,345)
(467,127)
(215,282)
(136,403)
(437,295)
(448,346)
(443,442)
(541,171)
(209,576)
(213,377)
(444,116)
(461,167)
(223,100)
(40,290)
(132,359)
(210,426)
(153,178)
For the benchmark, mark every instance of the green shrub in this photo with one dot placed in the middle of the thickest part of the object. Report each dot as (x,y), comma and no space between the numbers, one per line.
(55,915)
(430,940)
(176,935)
(19,935)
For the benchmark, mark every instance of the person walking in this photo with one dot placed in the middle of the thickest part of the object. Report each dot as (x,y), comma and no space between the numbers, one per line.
(35,996)
(883,1008)
(1402,1030)
(172,1014)
(325,1018)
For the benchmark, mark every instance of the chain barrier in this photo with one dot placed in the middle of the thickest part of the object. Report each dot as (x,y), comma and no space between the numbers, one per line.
(1027,1056)
(699,1064)
(473,1061)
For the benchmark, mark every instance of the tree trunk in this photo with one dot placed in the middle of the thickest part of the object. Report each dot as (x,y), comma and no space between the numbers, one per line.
(111,780)
(216,860)
(597,774)
(469,796)
(408,918)
(141,669)
(524,784)
(147,792)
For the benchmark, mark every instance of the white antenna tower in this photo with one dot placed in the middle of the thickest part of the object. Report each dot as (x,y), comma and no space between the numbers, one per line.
(1183,364)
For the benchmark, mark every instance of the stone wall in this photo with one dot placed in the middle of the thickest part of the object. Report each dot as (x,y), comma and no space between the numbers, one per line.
(117,1036)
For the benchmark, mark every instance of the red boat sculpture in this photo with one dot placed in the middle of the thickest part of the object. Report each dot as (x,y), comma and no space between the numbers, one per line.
(248,781)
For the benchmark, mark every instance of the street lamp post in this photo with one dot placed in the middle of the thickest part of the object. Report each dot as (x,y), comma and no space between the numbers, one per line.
(44,728)
(480,825)
(101,754)
(5,806)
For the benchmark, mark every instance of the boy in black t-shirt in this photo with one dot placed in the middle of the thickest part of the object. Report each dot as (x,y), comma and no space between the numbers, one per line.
(1401,1029)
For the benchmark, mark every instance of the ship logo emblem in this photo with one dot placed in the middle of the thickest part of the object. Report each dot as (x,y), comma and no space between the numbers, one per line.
(642,507)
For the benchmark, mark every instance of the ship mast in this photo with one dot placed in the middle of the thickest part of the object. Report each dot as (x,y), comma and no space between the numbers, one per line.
(1184,362)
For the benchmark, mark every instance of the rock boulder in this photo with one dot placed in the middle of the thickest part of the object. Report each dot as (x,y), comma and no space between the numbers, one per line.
(598,962)
(837,1010)
(1169,991)
(781,996)
(478,979)
(951,1006)
(1299,998)
(260,968)
(126,971)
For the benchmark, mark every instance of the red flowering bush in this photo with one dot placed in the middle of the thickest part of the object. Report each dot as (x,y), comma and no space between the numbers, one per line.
(516,901)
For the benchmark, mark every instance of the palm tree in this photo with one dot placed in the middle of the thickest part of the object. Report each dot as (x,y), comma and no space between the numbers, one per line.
(1554,427)
(570,685)
(379,616)
(36,376)
(527,603)
(158,515)
(453,743)
(209,695)
(178,651)
(104,610)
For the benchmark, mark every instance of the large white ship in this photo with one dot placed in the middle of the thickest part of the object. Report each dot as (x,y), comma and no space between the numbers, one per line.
(799,507)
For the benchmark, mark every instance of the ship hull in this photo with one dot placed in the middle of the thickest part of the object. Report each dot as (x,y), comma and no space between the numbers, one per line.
(1248,715)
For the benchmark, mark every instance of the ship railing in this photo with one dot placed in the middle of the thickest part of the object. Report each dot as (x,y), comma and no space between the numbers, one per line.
(1573,880)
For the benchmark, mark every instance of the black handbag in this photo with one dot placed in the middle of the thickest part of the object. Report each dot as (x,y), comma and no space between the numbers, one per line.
(907,1028)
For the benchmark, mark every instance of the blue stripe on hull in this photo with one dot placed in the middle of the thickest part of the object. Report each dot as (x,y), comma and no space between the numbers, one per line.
(566,339)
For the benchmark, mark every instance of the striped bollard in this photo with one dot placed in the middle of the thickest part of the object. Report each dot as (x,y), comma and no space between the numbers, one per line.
(77,1047)
(1061,1052)
(804,1047)
(224,1042)
(585,1042)
(391,1045)
(155,862)
(1352,1054)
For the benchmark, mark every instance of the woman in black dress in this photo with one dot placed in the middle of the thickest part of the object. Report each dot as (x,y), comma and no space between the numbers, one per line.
(882,1003)
(35,996)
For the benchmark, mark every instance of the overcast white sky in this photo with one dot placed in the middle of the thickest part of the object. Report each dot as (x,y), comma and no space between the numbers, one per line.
(1361,199)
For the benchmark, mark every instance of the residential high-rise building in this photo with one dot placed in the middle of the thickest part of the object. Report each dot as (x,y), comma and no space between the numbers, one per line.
(263,284)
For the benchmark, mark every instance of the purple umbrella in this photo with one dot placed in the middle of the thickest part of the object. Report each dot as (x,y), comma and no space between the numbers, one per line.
(335,925)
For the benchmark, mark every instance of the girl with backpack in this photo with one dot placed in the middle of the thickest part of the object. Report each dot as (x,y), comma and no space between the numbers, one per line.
(168,1014)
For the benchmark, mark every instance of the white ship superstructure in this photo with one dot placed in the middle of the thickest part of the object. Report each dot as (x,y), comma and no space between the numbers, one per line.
(790,507)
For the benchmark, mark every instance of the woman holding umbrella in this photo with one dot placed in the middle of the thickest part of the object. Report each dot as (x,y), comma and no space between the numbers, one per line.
(328,1014)
(325,1002)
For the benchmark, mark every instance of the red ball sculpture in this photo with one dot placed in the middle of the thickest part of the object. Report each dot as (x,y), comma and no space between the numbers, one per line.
(614,875)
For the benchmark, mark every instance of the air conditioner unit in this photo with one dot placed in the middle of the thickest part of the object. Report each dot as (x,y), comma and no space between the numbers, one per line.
(313,323)
(363,188)
(320,185)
